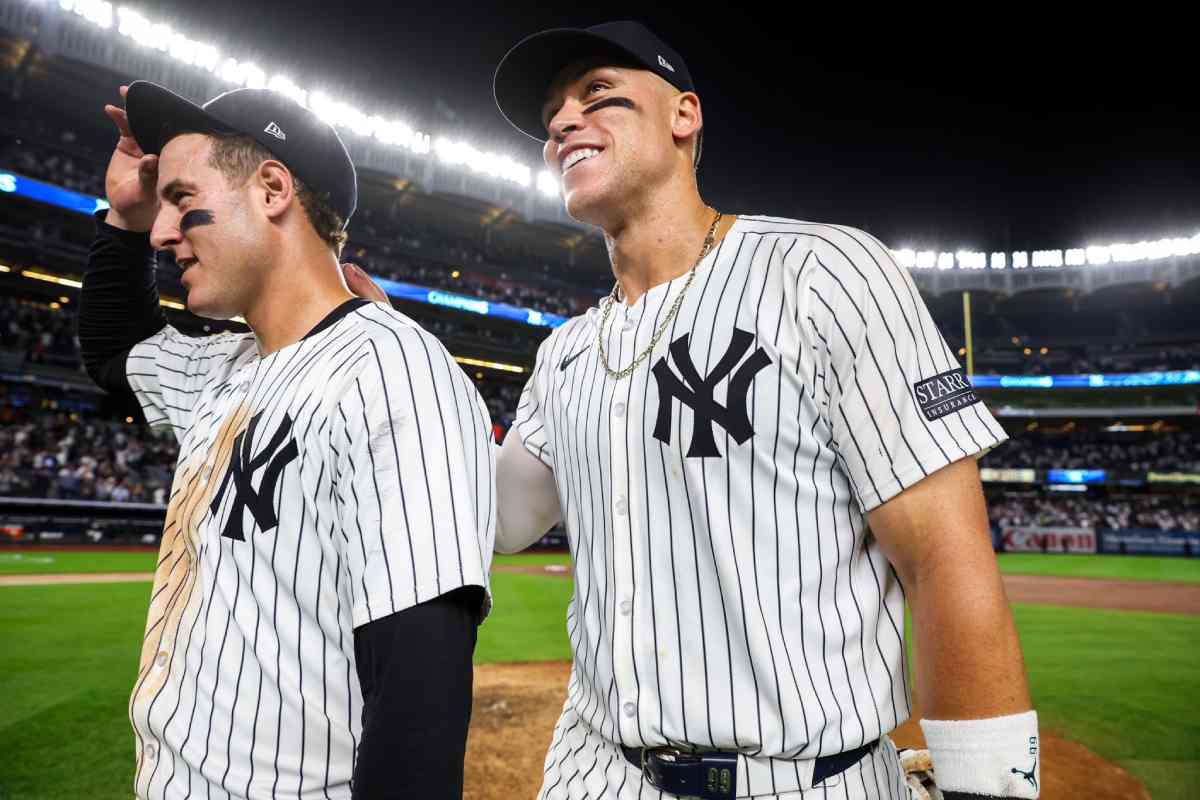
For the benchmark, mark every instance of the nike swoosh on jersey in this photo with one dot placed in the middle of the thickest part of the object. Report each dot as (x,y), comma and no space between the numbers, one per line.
(567,361)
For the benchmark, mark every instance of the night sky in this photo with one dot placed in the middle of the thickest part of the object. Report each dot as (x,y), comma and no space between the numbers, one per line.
(998,133)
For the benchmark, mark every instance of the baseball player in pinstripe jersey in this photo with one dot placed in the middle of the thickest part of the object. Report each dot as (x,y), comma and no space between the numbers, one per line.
(760,446)
(333,507)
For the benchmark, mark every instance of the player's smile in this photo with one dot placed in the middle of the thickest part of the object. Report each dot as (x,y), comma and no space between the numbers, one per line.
(578,156)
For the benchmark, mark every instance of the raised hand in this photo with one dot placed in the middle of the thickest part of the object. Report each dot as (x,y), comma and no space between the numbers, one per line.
(131,178)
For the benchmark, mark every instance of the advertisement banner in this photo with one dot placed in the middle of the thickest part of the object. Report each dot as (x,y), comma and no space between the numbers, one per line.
(1148,541)
(1047,539)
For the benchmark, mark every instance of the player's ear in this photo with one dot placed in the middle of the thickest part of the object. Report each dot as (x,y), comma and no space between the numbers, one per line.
(687,118)
(277,187)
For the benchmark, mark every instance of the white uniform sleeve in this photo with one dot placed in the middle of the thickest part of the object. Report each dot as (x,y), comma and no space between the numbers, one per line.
(529,425)
(897,402)
(168,371)
(415,470)
(527,497)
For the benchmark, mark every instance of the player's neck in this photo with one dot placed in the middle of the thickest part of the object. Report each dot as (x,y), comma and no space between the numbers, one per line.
(295,297)
(659,243)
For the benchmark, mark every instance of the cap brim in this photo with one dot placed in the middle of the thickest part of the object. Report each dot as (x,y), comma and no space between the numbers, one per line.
(156,114)
(526,71)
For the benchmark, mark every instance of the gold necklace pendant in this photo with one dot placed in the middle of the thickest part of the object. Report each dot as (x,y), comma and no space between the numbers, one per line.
(612,299)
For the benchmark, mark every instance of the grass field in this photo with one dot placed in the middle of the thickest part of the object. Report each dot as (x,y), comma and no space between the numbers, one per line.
(1125,684)
(1138,568)
(1129,568)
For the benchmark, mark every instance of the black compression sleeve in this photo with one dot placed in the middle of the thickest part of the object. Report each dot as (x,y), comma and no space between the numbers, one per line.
(415,671)
(118,305)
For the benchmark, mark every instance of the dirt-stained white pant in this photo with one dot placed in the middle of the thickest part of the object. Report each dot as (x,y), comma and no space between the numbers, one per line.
(583,765)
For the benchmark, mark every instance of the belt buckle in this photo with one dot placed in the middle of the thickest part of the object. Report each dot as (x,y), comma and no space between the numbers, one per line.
(714,774)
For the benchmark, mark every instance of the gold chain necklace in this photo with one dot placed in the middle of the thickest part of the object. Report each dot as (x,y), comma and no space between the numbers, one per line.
(612,300)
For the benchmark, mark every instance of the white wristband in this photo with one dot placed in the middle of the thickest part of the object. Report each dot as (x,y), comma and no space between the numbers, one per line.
(998,757)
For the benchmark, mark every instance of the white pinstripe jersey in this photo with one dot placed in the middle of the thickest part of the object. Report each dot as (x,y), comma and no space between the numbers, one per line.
(341,479)
(728,593)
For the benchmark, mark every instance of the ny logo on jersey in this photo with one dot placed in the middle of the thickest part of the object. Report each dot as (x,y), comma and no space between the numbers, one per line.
(699,397)
(242,466)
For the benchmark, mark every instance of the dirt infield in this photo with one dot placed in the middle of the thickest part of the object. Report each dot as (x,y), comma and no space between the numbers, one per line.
(1163,598)
(99,577)
(516,706)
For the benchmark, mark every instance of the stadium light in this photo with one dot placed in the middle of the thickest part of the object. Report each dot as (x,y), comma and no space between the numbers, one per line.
(97,12)
(145,32)
(970,260)
(475,362)
(42,276)
(1098,255)
(1047,258)
(547,184)
(462,153)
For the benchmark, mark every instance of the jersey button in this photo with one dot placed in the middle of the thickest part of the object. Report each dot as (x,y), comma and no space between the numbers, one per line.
(619,410)
(161,660)
(626,608)
(622,506)
(628,325)
(630,709)
(151,751)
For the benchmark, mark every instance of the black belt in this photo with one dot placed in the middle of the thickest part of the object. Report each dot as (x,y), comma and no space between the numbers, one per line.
(713,775)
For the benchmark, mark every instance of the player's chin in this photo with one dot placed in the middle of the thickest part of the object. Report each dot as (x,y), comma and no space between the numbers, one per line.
(587,201)
(203,304)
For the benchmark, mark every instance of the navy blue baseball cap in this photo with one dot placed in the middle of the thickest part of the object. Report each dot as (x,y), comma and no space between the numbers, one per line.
(306,144)
(526,72)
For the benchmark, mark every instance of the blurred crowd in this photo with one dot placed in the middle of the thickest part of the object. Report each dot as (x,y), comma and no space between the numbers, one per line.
(59,456)
(386,261)
(1115,357)
(1177,451)
(38,334)
(1167,512)
(53,164)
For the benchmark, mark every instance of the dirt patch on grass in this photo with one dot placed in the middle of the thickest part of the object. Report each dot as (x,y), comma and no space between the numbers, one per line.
(516,706)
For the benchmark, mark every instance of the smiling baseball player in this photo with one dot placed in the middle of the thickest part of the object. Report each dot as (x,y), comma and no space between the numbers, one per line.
(324,564)
(760,446)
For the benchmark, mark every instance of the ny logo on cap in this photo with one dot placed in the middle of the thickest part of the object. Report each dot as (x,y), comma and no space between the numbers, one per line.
(662,62)
(275,131)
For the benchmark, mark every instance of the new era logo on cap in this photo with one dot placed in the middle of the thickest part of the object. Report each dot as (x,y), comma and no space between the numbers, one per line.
(275,131)
(662,62)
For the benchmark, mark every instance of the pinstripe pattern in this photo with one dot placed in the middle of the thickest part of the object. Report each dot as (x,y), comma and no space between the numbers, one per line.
(738,601)
(247,685)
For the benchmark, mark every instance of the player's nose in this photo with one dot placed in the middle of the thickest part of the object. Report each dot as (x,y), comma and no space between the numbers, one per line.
(567,119)
(165,233)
